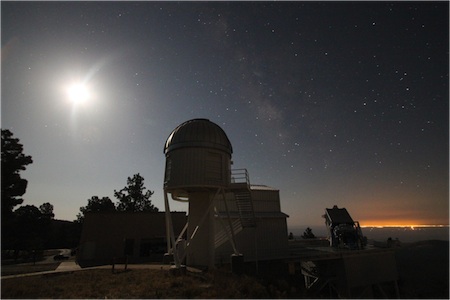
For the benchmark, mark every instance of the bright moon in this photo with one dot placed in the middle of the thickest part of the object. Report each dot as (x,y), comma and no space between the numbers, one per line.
(78,93)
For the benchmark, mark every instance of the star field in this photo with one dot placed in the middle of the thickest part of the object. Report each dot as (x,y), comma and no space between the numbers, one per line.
(331,102)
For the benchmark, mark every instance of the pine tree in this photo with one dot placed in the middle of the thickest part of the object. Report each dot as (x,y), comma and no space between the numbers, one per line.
(308,234)
(13,161)
(133,197)
(95,204)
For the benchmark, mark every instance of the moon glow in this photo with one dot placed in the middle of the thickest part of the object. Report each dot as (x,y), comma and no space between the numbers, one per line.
(78,93)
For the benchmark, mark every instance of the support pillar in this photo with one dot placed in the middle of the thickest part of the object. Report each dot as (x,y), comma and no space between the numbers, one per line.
(200,250)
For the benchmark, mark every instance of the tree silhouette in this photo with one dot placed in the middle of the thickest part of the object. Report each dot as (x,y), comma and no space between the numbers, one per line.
(47,210)
(95,204)
(13,161)
(308,234)
(132,198)
(28,212)
(30,228)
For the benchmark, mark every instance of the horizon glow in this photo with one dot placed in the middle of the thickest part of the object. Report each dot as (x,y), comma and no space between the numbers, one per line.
(402,226)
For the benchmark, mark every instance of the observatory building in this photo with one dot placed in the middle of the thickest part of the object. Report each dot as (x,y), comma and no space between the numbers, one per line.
(228,218)
(138,236)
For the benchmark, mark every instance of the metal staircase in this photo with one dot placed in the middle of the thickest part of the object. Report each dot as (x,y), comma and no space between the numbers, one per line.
(243,207)
(240,186)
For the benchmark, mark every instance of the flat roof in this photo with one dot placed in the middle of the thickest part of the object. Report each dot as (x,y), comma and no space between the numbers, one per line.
(260,187)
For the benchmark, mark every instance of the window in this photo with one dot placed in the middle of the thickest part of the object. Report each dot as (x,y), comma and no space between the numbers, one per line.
(145,248)
(214,167)
(168,169)
(153,245)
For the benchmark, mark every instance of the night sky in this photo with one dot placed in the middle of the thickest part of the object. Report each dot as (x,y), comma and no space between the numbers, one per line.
(342,103)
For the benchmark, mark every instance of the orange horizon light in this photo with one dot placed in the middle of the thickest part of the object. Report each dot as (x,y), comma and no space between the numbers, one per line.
(412,226)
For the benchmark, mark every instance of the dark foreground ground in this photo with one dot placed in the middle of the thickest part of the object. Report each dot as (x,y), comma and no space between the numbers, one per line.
(423,268)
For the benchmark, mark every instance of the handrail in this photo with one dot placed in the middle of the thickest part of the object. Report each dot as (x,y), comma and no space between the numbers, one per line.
(240,176)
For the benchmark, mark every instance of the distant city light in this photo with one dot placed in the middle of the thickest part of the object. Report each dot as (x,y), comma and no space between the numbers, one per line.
(412,227)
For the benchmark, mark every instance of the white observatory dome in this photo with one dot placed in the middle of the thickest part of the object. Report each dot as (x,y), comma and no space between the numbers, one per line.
(198,133)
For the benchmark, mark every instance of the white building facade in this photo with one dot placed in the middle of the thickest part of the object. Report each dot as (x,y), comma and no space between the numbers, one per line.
(267,240)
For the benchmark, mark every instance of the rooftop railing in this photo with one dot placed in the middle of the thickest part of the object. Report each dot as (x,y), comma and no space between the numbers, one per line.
(240,176)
